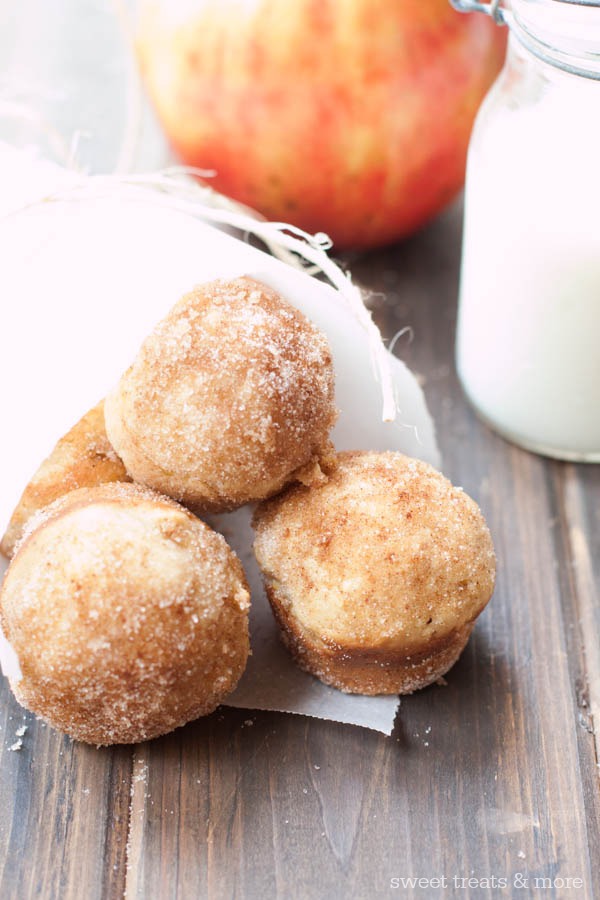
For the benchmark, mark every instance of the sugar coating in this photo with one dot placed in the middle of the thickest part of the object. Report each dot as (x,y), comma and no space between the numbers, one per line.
(129,615)
(229,399)
(82,458)
(386,563)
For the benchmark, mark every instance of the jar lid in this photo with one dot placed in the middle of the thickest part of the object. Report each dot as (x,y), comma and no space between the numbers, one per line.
(498,9)
(564,33)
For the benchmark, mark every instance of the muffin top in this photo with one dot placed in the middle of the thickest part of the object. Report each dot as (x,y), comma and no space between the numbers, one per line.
(386,555)
(229,399)
(82,458)
(128,615)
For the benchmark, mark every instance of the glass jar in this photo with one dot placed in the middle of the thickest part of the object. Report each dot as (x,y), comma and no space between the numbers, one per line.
(528,341)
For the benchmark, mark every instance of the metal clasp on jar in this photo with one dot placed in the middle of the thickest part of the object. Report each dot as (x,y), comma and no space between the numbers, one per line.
(493,9)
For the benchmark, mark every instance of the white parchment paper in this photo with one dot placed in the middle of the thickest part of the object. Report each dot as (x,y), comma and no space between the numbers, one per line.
(81,284)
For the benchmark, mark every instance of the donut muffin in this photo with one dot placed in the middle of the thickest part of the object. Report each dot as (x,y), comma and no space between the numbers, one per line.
(84,457)
(229,399)
(128,615)
(375,577)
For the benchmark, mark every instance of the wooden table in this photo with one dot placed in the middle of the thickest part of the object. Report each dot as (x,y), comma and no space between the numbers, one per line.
(493,777)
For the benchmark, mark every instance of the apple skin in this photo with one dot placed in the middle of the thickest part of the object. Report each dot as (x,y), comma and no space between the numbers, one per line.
(350,117)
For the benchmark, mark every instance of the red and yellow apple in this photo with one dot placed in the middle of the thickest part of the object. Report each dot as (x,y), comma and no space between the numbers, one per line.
(345,116)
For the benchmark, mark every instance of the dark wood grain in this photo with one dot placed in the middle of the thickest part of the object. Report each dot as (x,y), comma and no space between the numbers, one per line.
(492,775)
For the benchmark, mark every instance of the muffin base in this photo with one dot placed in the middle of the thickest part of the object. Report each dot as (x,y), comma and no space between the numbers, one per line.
(365,671)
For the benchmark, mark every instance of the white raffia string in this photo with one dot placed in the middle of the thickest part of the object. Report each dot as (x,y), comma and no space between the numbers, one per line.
(174,189)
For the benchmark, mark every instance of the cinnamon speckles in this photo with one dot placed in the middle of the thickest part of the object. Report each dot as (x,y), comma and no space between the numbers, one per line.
(229,399)
(377,576)
(129,616)
(82,458)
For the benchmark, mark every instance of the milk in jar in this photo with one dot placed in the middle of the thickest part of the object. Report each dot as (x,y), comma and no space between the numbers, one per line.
(528,340)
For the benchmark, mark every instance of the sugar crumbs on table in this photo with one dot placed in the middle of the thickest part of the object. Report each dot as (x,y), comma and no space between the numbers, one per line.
(142,774)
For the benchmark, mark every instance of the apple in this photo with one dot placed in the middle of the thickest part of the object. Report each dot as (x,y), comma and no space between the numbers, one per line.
(350,117)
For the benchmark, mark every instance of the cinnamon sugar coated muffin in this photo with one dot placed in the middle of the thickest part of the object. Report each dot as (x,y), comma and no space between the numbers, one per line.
(229,399)
(82,458)
(128,615)
(377,576)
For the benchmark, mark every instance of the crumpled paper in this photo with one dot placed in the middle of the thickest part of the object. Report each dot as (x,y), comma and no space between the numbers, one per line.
(272,680)
(82,283)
